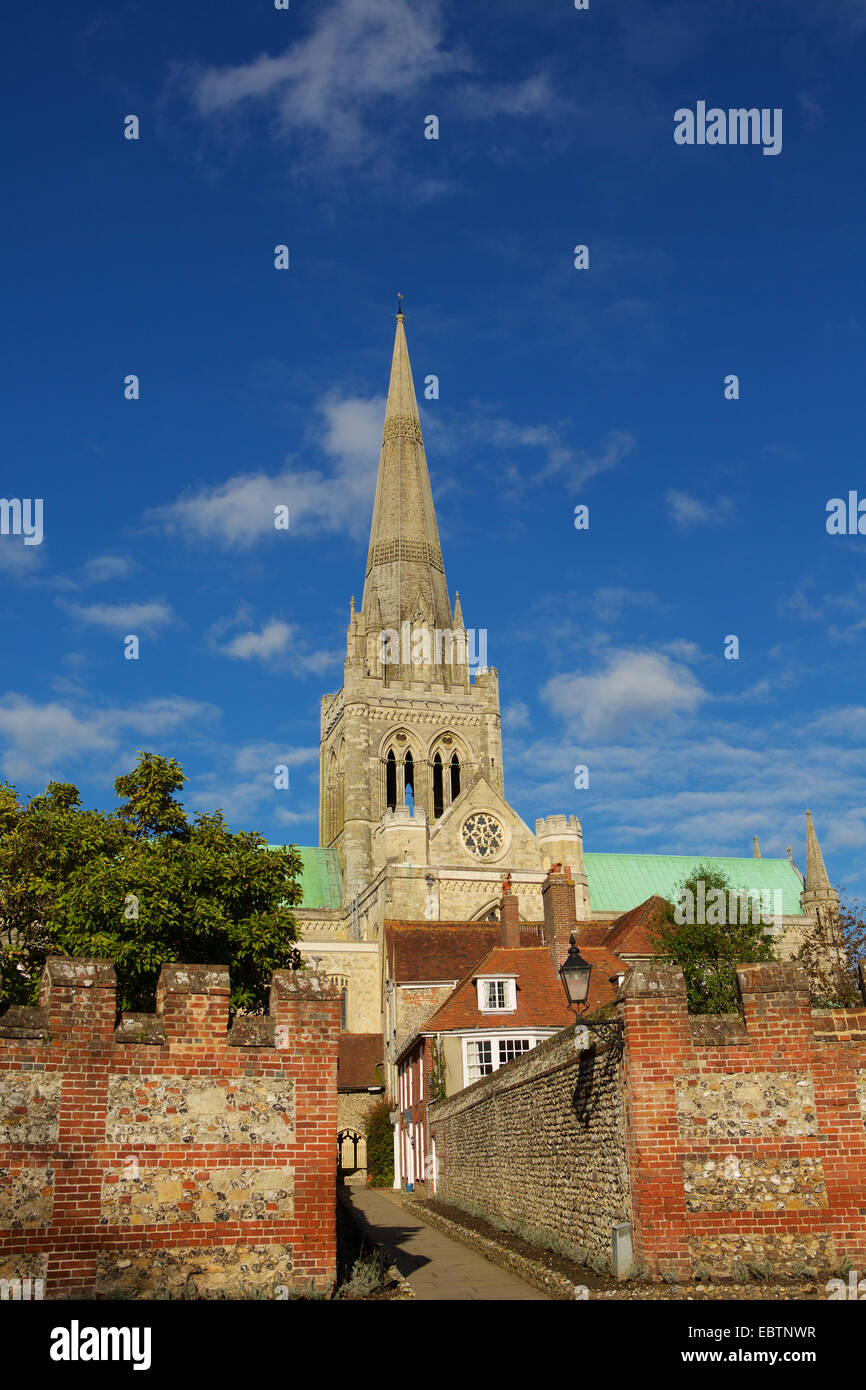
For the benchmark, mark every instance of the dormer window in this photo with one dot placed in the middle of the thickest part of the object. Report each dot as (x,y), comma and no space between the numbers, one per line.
(497,994)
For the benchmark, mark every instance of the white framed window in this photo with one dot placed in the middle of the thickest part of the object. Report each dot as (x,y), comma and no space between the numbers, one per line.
(486,1055)
(421,1076)
(497,994)
(509,1048)
(479,1058)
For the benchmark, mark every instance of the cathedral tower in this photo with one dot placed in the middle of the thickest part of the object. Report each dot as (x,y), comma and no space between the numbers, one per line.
(417,720)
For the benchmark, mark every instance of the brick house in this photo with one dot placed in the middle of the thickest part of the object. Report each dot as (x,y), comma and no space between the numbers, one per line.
(510,1000)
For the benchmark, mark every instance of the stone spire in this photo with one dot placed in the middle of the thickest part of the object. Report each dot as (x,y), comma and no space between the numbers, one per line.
(756,848)
(817,883)
(405,575)
(825,956)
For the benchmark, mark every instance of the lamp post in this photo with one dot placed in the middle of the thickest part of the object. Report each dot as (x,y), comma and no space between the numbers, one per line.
(574,973)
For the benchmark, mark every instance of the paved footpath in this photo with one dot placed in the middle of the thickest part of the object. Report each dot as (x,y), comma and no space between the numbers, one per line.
(436,1266)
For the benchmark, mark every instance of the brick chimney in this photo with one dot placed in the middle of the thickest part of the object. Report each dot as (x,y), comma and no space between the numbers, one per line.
(560,920)
(509,916)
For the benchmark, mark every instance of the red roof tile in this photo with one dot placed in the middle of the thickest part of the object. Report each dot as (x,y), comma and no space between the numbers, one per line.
(630,933)
(603,982)
(357,1057)
(540,996)
(436,950)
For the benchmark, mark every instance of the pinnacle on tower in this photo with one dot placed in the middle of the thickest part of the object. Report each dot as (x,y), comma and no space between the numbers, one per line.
(405,557)
(756,848)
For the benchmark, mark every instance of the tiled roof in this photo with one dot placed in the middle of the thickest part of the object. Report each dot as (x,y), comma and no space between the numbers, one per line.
(603,982)
(357,1058)
(436,950)
(631,933)
(321,876)
(540,997)
(618,882)
(592,933)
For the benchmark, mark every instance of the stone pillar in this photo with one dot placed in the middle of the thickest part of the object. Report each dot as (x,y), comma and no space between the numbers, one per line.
(79,997)
(193,1002)
(775,1001)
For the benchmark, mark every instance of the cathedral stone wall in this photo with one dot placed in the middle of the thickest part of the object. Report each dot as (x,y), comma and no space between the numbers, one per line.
(359,968)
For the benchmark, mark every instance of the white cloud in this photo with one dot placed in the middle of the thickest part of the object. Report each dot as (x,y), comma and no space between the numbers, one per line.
(516,715)
(576,466)
(635,688)
(123,617)
(359,57)
(274,637)
(101,569)
(49,737)
(244,788)
(239,513)
(607,604)
(21,562)
(686,510)
(275,643)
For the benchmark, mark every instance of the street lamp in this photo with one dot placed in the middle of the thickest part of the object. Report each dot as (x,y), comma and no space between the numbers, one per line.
(574,973)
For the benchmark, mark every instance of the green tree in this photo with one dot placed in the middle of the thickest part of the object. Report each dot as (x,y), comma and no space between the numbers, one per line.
(380,1146)
(831,954)
(141,885)
(710,950)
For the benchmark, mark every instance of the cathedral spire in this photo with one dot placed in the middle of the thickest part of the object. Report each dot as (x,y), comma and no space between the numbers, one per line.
(405,557)
(816,872)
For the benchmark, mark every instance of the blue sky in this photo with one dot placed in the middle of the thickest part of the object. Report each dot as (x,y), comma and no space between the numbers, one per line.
(306,127)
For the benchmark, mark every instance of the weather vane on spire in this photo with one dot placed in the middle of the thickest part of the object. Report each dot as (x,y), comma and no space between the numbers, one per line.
(399,302)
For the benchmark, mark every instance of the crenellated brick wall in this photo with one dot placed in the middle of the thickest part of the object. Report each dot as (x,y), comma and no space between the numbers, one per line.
(743,1137)
(747,1134)
(168,1154)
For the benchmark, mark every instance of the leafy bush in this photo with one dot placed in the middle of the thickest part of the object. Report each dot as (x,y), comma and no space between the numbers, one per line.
(380,1146)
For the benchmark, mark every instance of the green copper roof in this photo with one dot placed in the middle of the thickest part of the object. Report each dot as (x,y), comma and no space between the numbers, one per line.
(618,882)
(321,877)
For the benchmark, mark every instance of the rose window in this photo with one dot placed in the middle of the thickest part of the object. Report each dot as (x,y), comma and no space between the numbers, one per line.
(483,835)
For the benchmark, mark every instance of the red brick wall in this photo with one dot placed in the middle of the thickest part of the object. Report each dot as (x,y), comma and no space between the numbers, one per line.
(745,1135)
(168,1153)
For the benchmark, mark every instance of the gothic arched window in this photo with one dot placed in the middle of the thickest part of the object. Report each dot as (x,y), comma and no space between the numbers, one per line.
(391,781)
(455,777)
(408,779)
(438,788)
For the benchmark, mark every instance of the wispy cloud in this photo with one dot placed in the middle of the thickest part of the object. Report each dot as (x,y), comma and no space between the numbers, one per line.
(330,96)
(52,737)
(101,569)
(276,644)
(686,510)
(634,688)
(123,618)
(244,786)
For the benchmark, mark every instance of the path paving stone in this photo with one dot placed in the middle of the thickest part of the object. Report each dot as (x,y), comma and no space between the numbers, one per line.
(436,1266)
